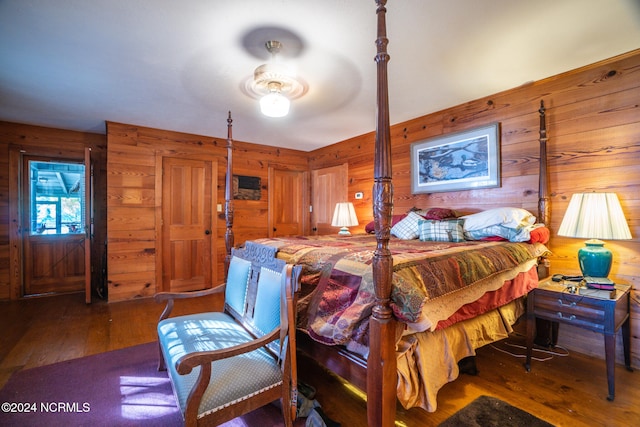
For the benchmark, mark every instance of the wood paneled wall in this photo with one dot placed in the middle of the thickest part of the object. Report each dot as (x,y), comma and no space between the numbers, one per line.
(37,140)
(593,126)
(132,158)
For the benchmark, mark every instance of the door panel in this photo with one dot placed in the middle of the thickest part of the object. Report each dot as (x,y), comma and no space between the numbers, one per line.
(288,202)
(328,187)
(188,262)
(54,264)
(53,223)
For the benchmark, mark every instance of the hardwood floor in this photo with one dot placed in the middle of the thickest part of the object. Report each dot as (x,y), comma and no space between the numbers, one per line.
(565,391)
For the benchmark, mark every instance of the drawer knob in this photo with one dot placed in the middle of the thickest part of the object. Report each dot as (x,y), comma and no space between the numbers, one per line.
(571,304)
(571,317)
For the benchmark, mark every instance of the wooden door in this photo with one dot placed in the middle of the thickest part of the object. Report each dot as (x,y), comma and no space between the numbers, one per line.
(188,259)
(55,239)
(288,203)
(328,187)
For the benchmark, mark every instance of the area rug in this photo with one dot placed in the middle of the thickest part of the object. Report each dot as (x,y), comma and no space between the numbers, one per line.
(117,388)
(488,411)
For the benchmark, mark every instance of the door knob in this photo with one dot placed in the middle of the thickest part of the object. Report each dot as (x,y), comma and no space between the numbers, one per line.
(207,232)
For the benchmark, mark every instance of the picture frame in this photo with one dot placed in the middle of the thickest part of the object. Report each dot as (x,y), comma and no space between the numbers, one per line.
(246,187)
(466,160)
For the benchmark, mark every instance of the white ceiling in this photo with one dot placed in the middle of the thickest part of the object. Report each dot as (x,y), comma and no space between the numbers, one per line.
(181,65)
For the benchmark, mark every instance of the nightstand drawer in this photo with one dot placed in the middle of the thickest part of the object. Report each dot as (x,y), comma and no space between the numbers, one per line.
(571,309)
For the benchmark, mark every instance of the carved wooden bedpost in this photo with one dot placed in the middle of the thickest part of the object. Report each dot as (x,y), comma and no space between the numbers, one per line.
(544,210)
(381,363)
(228,197)
(543,196)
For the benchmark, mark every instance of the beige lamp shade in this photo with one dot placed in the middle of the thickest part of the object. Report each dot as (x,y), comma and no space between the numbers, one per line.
(595,216)
(344,216)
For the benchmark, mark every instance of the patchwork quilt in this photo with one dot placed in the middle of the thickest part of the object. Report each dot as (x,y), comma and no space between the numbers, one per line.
(431,280)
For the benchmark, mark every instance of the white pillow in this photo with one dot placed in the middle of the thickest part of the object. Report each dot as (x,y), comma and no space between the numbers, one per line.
(407,228)
(515,218)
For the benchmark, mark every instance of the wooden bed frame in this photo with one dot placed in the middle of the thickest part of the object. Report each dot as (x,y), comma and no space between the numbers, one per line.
(378,374)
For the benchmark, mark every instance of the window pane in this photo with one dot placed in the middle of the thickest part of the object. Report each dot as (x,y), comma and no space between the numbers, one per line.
(71,215)
(57,197)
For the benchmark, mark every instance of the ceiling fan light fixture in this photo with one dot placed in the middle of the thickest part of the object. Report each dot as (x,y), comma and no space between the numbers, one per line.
(274,104)
(275,85)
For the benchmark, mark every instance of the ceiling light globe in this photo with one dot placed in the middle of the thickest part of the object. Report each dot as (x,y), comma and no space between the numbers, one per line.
(274,104)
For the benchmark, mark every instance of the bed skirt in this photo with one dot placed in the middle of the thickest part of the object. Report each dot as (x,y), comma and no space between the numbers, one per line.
(429,360)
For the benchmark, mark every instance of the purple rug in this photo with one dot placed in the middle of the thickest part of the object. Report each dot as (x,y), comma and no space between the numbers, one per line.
(117,388)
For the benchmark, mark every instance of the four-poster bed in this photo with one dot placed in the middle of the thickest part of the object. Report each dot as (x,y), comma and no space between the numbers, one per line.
(376,368)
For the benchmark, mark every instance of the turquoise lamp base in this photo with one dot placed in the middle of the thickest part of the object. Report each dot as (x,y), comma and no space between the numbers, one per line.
(595,259)
(344,231)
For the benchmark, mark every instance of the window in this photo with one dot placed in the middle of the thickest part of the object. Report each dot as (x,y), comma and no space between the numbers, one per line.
(57,197)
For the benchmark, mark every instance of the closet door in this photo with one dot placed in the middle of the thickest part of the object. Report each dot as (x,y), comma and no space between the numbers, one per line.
(188,258)
(288,203)
(328,187)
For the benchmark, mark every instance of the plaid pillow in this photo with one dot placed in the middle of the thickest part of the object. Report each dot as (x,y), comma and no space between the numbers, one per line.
(441,231)
(407,228)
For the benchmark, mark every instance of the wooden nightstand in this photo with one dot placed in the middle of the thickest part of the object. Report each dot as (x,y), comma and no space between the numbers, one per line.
(596,310)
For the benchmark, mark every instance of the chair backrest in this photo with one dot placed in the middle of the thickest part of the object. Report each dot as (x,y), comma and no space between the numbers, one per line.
(254,288)
(235,294)
(266,312)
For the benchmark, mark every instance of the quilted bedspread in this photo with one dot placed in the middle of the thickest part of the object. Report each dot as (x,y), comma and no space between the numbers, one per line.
(337,293)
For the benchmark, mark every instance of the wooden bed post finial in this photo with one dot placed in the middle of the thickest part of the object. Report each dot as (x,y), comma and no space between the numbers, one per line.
(381,363)
(228,196)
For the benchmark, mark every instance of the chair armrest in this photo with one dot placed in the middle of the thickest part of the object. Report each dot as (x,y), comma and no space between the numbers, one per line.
(164,296)
(170,297)
(186,363)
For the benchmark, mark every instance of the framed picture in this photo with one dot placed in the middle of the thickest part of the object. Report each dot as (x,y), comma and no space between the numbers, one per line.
(460,161)
(246,187)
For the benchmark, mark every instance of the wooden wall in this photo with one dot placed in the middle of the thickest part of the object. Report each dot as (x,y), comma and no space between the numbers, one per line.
(593,124)
(131,167)
(45,141)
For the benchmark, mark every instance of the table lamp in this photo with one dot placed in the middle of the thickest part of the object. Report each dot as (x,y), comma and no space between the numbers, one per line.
(344,216)
(595,216)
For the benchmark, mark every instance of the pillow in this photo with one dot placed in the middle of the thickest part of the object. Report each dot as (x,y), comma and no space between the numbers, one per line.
(441,231)
(436,213)
(515,218)
(407,228)
(540,234)
(371,227)
(506,233)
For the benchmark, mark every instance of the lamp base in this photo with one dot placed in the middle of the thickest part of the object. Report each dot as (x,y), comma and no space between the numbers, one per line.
(344,231)
(595,259)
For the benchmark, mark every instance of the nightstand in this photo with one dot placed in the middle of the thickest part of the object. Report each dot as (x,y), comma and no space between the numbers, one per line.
(597,310)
